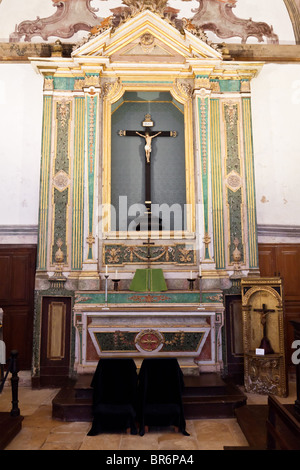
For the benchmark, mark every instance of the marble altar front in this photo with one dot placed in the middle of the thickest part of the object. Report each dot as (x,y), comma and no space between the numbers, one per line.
(139,325)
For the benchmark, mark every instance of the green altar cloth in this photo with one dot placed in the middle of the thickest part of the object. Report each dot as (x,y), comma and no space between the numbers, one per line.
(148,280)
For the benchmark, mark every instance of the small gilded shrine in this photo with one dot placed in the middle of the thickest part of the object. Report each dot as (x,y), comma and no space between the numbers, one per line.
(145,118)
(264,336)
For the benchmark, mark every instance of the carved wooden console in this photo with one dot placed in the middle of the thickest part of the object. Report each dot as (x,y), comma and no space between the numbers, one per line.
(264,336)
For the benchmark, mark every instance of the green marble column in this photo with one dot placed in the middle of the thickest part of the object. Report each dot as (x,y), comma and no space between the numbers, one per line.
(217,184)
(44,183)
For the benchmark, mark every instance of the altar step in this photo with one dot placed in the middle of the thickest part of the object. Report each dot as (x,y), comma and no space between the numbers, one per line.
(205,396)
(9,427)
(252,420)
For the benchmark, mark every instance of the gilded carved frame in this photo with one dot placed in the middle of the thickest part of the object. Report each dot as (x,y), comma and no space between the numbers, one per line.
(113,94)
(267,373)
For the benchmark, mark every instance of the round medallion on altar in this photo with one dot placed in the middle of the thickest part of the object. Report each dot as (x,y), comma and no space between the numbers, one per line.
(149,341)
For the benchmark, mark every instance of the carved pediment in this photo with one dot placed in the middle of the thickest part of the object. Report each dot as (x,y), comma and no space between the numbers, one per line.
(147,37)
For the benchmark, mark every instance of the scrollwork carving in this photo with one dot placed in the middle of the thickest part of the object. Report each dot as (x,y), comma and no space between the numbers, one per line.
(110,89)
(184,88)
(71,16)
(217,16)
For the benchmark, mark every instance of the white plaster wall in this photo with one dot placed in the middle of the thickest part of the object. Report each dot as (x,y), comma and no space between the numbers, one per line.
(276,134)
(21,95)
(13,12)
(276,138)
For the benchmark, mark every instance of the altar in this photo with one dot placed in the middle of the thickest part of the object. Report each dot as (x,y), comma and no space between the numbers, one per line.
(171,324)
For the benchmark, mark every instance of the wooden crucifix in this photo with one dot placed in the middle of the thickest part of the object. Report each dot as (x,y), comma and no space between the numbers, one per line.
(265,342)
(148,135)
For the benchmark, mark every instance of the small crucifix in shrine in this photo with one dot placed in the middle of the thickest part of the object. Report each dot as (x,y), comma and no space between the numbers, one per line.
(148,135)
(265,342)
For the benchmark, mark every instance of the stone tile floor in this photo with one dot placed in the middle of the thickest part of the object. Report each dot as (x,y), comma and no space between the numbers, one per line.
(41,432)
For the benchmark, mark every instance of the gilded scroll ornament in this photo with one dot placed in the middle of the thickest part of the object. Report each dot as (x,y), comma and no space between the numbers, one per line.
(156,6)
(110,89)
(90,240)
(206,240)
(131,254)
(184,88)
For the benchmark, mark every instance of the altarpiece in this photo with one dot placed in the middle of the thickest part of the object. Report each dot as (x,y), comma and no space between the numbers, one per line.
(143,59)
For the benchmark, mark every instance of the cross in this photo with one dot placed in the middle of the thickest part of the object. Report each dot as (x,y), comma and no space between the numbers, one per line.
(148,243)
(148,135)
(265,343)
(264,312)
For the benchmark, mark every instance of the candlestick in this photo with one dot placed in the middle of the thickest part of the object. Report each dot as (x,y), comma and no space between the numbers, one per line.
(106,269)
(201,307)
(106,292)
(116,284)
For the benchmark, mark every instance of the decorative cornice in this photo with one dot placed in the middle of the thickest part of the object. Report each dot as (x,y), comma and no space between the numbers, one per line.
(18,230)
(282,231)
(275,53)
(19,234)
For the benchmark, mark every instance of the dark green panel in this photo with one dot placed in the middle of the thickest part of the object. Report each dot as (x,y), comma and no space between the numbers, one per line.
(60,217)
(128,155)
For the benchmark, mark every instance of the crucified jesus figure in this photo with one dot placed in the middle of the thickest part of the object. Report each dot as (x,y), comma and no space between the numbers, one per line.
(148,140)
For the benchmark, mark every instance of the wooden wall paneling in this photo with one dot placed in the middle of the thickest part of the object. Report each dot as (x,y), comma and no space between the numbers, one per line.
(284,260)
(267,260)
(55,341)
(292,312)
(234,337)
(17,278)
(5,277)
(288,263)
